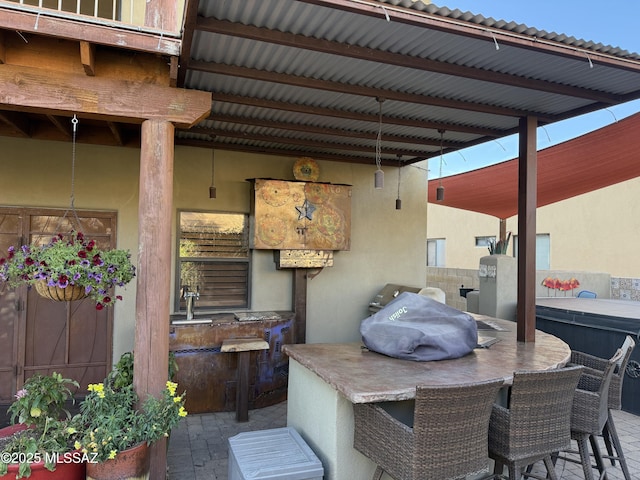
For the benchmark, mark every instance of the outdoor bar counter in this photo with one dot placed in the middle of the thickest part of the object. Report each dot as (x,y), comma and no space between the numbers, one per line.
(326,379)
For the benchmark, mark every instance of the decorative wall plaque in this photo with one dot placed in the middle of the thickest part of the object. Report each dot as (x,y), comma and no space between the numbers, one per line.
(300,215)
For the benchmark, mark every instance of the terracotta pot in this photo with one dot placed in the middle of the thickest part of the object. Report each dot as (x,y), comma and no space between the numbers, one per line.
(72,292)
(130,464)
(69,467)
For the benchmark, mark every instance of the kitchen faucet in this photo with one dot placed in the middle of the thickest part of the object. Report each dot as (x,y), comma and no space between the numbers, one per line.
(190,299)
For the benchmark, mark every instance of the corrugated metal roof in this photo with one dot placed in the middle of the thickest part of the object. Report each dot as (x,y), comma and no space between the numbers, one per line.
(323,64)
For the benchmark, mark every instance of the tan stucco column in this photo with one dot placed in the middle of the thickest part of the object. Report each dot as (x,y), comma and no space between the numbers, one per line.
(154,269)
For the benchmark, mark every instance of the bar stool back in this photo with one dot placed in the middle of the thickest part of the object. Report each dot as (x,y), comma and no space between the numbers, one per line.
(595,365)
(537,422)
(446,439)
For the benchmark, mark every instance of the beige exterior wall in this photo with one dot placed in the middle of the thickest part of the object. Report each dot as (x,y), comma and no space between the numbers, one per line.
(594,232)
(387,245)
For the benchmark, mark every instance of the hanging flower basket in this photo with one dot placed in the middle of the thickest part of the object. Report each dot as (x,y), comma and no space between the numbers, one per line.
(69,268)
(58,294)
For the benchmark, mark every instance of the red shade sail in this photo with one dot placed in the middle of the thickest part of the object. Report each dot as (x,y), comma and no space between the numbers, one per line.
(598,159)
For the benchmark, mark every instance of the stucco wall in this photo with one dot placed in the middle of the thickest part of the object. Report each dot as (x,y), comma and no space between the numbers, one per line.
(387,245)
(594,232)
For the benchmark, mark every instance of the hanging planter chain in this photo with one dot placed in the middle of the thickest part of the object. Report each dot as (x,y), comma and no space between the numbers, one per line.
(72,208)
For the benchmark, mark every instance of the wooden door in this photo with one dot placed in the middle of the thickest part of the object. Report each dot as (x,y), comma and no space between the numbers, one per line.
(10,311)
(71,338)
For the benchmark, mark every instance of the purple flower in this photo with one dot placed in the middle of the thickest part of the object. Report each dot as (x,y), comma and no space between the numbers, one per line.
(21,393)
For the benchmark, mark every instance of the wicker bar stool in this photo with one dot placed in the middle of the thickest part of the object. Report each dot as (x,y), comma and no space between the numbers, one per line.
(446,439)
(537,422)
(595,366)
(590,413)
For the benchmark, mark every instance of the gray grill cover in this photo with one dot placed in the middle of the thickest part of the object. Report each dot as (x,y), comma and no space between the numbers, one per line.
(414,327)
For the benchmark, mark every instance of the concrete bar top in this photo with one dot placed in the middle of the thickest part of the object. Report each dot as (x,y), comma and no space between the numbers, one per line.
(363,376)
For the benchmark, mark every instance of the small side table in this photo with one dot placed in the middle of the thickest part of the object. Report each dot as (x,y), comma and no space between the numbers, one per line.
(244,347)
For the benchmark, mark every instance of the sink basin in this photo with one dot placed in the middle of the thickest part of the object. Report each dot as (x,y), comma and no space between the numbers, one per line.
(181,319)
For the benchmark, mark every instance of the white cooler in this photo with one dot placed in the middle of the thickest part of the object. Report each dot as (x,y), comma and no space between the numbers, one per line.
(279,453)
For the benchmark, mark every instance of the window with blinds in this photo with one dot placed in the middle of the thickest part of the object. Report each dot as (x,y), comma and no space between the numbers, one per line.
(213,259)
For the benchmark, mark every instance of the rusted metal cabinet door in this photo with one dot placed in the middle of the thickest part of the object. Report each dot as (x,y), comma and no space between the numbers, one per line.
(66,337)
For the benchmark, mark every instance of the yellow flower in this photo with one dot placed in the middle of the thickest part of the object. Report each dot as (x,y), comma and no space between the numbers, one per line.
(182,412)
(112,454)
(35,412)
(95,387)
(77,445)
(71,430)
(171,386)
(177,399)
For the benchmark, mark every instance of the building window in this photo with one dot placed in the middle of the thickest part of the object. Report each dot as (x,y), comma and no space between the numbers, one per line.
(485,241)
(435,252)
(543,249)
(213,259)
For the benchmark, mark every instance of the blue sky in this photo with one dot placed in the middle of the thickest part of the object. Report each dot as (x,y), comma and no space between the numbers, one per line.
(614,22)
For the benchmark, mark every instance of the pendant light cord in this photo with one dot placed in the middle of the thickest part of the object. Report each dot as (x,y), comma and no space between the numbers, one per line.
(379,137)
(441,151)
(399,173)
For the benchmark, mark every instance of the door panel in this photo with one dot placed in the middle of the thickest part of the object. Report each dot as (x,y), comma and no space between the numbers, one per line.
(71,338)
(10,303)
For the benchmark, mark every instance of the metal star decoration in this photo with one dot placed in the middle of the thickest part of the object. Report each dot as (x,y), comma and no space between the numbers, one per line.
(306,210)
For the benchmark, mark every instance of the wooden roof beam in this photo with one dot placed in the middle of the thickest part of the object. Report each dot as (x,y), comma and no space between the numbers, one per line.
(60,124)
(334,132)
(59,93)
(88,58)
(285,79)
(458,27)
(215,132)
(19,123)
(362,53)
(330,112)
(117,132)
(3,49)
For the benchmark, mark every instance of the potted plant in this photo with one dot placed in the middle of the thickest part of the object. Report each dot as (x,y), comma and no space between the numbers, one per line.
(40,442)
(499,248)
(116,432)
(69,267)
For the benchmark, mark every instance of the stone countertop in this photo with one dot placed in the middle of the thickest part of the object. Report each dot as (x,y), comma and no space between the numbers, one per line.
(363,376)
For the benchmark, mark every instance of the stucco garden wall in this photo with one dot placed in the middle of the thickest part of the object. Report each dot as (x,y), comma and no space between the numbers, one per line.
(604,285)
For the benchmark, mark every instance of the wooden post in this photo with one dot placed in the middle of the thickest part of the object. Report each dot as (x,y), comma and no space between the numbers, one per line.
(151,352)
(300,304)
(527,201)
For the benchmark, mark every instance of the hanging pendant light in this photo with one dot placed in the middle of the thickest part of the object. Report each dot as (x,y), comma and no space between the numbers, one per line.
(440,189)
(212,188)
(398,201)
(378,178)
